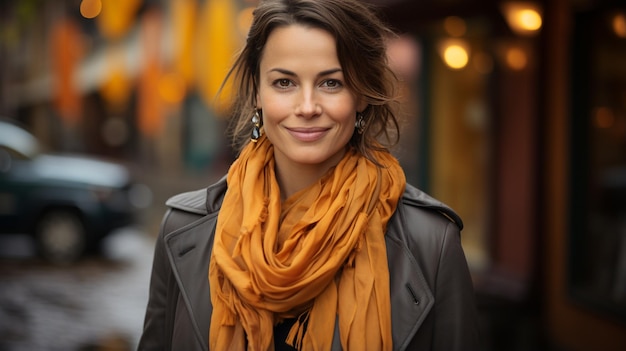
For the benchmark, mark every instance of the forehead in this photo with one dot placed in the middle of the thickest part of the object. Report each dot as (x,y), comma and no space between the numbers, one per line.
(297,44)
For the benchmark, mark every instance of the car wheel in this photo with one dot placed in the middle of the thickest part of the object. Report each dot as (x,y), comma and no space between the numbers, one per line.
(61,236)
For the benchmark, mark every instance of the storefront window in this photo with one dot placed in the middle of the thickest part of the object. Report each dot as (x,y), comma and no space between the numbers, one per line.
(458,132)
(597,269)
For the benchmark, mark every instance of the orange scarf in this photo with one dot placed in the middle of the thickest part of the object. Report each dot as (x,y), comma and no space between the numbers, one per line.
(320,254)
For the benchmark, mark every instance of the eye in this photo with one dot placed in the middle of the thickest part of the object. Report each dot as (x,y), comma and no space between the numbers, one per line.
(332,84)
(282,83)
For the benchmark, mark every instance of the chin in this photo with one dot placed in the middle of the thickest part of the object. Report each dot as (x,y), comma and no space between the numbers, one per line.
(317,159)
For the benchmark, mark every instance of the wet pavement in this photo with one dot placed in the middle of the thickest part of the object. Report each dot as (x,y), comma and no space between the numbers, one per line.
(98,303)
(95,304)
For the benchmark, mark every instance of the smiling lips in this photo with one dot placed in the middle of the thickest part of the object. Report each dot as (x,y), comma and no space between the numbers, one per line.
(307,134)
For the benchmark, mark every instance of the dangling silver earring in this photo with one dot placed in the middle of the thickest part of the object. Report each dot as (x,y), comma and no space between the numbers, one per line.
(360,123)
(256,130)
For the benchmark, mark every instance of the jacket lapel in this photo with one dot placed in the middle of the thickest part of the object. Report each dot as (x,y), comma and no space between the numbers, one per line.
(189,251)
(411,298)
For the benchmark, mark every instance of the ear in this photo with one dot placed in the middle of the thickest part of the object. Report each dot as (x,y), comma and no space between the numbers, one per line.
(258,102)
(361,105)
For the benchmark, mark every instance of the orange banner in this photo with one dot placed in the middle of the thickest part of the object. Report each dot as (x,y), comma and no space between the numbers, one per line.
(149,103)
(67,51)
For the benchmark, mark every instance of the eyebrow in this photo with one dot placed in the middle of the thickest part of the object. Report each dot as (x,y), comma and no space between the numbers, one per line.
(290,73)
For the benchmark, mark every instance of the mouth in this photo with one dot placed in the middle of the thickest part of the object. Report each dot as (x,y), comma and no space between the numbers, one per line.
(307,134)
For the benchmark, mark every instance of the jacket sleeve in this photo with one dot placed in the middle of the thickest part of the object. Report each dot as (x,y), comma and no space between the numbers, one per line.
(156,331)
(456,321)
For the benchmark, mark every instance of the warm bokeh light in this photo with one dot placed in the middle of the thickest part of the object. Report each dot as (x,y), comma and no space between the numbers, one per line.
(454,26)
(619,25)
(516,58)
(455,56)
(529,19)
(454,52)
(524,18)
(90,8)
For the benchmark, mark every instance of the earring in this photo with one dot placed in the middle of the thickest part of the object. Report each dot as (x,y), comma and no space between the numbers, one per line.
(256,130)
(360,123)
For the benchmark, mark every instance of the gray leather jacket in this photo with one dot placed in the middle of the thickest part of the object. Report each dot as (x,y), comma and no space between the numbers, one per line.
(432,299)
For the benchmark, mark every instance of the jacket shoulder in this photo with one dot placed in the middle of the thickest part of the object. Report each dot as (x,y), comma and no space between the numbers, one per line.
(202,201)
(209,200)
(413,197)
(191,201)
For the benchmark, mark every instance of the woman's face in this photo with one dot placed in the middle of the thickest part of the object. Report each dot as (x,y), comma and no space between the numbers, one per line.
(308,111)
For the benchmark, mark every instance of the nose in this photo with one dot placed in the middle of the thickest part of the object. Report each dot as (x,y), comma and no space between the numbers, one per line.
(308,104)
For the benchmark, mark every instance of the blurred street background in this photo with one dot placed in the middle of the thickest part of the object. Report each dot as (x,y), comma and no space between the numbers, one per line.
(513,113)
(95,303)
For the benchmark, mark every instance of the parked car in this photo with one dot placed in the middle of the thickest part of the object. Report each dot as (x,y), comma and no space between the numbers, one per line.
(67,202)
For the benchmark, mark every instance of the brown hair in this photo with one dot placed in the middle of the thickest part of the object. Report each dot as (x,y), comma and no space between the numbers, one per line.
(361,50)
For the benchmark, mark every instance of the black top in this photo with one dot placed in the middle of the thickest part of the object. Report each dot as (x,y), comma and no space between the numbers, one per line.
(281,330)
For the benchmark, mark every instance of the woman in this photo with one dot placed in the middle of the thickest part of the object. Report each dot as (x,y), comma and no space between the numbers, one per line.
(313,241)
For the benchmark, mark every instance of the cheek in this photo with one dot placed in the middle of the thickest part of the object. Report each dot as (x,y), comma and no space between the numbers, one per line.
(274,109)
(344,112)
(268,99)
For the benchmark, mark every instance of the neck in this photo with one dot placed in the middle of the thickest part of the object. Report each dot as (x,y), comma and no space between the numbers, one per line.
(293,177)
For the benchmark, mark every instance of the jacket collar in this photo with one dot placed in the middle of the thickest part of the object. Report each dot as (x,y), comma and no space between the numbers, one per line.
(189,251)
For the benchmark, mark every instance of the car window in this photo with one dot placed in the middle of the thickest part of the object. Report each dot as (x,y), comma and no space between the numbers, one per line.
(18,142)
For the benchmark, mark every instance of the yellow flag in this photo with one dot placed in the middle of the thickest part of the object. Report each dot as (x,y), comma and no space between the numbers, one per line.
(184,13)
(218,41)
